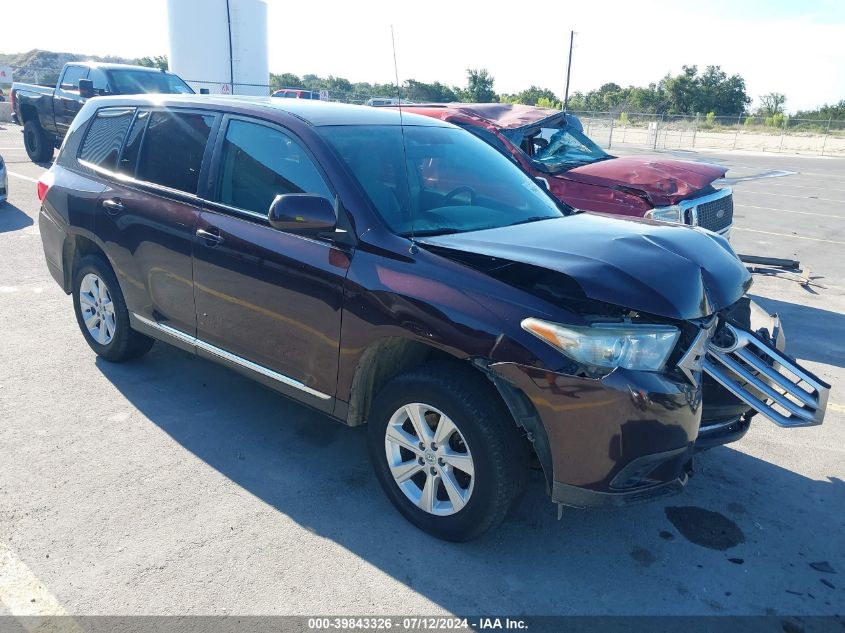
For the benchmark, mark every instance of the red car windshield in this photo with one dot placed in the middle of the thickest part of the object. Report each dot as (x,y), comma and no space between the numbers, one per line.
(557,147)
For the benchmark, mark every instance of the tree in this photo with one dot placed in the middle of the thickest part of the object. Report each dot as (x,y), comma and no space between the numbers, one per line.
(285,80)
(712,91)
(479,87)
(158,61)
(771,104)
(532,96)
(428,93)
(824,113)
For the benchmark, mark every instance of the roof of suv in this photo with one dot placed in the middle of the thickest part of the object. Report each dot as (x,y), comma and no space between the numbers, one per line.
(316,113)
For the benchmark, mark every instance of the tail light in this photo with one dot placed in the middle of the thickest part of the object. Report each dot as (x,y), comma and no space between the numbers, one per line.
(44,184)
(12,99)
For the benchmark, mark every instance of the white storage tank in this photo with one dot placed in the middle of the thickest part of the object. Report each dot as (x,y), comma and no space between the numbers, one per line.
(220,45)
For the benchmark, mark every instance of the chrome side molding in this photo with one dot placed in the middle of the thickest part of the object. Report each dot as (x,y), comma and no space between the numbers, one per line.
(228,356)
(767,380)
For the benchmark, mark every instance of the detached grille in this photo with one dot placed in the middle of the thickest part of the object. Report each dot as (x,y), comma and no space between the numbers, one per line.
(714,212)
(765,379)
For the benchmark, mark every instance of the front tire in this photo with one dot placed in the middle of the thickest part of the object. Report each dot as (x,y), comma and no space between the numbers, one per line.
(446,450)
(102,315)
(39,146)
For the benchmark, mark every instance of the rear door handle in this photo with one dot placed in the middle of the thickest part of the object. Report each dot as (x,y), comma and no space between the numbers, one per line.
(113,205)
(211,237)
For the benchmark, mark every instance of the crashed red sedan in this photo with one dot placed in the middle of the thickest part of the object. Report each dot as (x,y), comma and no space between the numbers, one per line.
(551,146)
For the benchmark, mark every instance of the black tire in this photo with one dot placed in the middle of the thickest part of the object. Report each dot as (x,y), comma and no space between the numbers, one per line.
(39,146)
(125,343)
(499,449)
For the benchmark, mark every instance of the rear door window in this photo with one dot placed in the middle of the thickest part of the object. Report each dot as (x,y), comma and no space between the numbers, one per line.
(172,149)
(70,80)
(259,163)
(105,137)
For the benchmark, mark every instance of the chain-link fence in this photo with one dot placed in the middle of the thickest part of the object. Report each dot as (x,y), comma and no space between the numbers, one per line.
(764,134)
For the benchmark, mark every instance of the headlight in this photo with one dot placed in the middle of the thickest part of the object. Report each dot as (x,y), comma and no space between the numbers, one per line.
(609,345)
(666,214)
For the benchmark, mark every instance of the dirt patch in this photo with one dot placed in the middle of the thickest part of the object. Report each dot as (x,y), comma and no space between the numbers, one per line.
(705,527)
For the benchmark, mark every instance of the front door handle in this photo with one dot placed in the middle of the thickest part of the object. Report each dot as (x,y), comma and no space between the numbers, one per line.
(211,237)
(113,205)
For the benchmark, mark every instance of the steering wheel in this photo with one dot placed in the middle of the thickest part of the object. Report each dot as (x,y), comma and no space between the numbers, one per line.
(462,189)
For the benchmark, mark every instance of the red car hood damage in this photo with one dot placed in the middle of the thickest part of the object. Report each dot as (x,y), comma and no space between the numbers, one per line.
(663,181)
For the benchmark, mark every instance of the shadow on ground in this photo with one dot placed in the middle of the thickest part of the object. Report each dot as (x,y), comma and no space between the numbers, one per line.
(811,333)
(12,218)
(315,471)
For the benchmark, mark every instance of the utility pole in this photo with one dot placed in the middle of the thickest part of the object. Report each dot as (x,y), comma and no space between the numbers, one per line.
(568,70)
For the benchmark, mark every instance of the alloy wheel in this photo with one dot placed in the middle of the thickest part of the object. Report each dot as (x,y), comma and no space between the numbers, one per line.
(97,308)
(429,459)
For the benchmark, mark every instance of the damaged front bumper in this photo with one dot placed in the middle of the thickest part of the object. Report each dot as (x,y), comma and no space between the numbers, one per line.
(630,436)
(625,438)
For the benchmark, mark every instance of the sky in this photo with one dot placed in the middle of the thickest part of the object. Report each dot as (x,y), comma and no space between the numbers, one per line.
(795,47)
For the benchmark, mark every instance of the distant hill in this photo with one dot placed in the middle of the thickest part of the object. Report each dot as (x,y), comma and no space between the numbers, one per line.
(37,66)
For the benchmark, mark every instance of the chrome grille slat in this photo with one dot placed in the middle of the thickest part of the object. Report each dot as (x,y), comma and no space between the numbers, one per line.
(761,386)
(748,383)
(776,377)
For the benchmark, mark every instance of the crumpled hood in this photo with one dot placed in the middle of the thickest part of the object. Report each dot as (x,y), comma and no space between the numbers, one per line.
(664,181)
(663,269)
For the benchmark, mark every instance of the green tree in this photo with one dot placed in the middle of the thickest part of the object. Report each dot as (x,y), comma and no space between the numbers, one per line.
(771,104)
(479,87)
(711,91)
(157,61)
(285,80)
(824,113)
(533,95)
(428,93)
(546,102)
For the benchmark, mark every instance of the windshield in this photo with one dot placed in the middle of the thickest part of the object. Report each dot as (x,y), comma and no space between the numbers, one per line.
(452,181)
(559,147)
(130,82)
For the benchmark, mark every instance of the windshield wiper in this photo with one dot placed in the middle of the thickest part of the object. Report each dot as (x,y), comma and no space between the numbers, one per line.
(431,232)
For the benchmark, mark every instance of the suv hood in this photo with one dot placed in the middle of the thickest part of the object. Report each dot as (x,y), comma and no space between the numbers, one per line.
(668,270)
(664,181)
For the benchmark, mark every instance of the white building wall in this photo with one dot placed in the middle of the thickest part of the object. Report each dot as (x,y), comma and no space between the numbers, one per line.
(204,55)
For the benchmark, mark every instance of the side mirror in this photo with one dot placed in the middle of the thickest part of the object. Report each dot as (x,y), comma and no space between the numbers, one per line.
(302,213)
(86,88)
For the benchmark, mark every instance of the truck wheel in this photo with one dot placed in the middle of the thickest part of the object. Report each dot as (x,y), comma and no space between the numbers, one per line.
(446,450)
(39,146)
(102,315)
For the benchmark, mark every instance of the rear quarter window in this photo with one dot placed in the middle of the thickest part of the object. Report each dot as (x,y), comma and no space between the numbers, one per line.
(105,135)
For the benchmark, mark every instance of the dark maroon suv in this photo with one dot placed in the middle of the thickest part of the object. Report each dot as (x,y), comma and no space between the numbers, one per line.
(476,329)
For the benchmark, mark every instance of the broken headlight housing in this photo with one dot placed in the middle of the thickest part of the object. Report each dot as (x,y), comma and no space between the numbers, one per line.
(666,214)
(609,345)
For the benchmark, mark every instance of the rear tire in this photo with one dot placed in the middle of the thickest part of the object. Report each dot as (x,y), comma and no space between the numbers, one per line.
(460,479)
(38,144)
(102,315)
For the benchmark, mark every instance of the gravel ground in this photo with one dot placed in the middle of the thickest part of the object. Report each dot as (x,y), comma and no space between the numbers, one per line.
(174,486)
